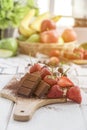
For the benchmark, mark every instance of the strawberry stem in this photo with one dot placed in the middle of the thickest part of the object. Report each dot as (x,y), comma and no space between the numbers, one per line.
(64,73)
(30,59)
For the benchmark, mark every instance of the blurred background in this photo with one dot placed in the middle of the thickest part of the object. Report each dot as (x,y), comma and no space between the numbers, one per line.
(69,9)
(73,12)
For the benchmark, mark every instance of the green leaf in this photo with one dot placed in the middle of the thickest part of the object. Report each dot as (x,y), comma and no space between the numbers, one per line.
(12,12)
(31,2)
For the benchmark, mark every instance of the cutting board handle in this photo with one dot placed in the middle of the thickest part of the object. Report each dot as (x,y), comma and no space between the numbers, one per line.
(24,109)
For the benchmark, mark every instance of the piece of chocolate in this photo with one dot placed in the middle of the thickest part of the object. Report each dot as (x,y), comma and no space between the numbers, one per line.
(28,84)
(24,91)
(42,89)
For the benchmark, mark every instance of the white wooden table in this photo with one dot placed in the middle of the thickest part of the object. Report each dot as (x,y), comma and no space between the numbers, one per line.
(65,116)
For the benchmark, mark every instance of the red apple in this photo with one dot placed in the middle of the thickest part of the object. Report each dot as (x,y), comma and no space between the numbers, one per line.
(69,35)
(47,24)
(50,36)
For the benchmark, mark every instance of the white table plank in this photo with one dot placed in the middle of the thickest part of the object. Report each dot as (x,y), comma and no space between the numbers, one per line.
(81,71)
(65,116)
(84,113)
(82,81)
(6,107)
(5,104)
(4,79)
(9,70)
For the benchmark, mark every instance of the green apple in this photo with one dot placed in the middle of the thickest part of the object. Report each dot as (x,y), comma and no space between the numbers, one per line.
(22,38)
(9,44)
(34,38)
(83,45)
(5,53)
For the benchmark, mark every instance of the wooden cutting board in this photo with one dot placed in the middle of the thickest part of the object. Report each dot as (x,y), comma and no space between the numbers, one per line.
(25,107)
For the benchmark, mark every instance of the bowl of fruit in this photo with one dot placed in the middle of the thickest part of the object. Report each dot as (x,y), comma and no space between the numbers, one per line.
(41,35)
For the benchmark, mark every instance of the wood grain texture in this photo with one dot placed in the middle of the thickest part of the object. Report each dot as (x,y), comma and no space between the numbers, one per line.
(25,107)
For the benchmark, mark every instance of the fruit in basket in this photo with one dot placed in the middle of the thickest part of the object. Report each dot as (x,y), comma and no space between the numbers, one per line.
(56,18)
(50,36)
(60,40)
(85,55)
(54,53)
(47,24)
(83,45)
(24,28)
(49,33)
(36,24)
(34,38)
(74,94)
(22,38)
(69,35)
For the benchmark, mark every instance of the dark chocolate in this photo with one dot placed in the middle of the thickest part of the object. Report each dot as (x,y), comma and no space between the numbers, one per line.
(24,91)
(42,89)
(28,83)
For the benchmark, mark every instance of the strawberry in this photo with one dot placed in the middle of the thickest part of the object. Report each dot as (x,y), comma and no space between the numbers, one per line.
(45,71)
(55,92)
(74,94)
(65,82)
(50,80)
(35,67)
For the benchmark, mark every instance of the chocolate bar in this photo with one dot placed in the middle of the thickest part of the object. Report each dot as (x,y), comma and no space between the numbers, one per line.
(42,89)
(28,84)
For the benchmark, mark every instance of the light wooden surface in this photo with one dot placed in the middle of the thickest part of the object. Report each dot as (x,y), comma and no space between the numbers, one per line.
(65,116)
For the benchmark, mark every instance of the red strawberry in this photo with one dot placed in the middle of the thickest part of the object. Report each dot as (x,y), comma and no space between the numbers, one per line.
(45,71)
(74,94)
(65,82)
(55,92)
(35,67)
(50,80)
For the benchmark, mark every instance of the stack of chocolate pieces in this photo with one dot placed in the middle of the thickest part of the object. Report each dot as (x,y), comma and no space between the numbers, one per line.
(32,84)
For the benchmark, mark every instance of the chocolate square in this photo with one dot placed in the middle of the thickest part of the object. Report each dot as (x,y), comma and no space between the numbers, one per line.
(29,81)
(42,89)
(24,91)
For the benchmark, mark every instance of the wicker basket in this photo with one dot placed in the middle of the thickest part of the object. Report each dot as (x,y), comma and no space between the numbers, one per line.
(34,48)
